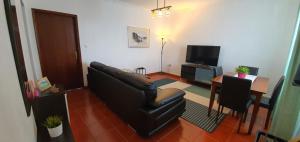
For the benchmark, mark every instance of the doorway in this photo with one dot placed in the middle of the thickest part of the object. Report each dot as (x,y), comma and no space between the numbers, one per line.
(58,45)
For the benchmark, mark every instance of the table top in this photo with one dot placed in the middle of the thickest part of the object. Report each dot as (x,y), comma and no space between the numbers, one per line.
(61,91)
(260,84)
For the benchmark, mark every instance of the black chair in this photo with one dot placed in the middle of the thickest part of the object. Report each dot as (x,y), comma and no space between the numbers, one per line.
(218,71)
(270,103)
(265,137)
(252,70)
(235,94)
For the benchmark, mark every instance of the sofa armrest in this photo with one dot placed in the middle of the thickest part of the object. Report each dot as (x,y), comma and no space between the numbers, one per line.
(165,96)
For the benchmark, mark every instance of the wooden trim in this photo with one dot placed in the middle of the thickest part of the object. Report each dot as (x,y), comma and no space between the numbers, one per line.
(21,78)
(164,73)
(174,76)
(35,10)
(79,59)
(153,73)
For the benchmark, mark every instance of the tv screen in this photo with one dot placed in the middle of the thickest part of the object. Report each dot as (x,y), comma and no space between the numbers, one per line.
(203,54)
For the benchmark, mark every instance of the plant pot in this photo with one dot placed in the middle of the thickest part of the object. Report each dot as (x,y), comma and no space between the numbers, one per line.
(55,132)
(242,75)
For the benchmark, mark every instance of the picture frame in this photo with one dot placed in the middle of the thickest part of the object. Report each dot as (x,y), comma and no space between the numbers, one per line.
(43,84)
(138,37)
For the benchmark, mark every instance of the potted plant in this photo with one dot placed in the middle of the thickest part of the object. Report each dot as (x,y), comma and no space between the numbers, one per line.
(242,71)
(54,125)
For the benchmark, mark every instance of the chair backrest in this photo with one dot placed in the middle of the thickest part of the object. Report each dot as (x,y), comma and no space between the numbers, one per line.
(218,71)
(235,93)
(252,70)
(276,92)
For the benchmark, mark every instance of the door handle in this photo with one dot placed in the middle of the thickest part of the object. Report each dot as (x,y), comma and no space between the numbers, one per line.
(76,56)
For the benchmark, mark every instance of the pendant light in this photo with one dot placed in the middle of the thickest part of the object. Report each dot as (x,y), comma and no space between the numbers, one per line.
(161,11)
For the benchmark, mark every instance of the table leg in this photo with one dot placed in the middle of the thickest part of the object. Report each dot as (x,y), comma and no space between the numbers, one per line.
(255,111)
(212,98)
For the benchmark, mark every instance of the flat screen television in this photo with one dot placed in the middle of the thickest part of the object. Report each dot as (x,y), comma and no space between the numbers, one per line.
(203,54)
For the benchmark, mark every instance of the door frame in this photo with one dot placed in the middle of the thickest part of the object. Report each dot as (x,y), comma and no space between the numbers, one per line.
(75,19)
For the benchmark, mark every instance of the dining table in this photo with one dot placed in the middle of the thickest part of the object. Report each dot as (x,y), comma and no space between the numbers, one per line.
(259,87)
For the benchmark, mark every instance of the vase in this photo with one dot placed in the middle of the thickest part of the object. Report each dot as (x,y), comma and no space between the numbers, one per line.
(55,132)
(242,75)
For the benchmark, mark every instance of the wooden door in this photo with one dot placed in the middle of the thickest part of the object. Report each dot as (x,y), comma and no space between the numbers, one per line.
(59,49)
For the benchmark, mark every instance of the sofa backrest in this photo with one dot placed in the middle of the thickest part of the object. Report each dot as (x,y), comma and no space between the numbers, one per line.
(135,80)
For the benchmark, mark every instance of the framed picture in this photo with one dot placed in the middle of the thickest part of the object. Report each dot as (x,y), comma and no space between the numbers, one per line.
(43,84)
(138,37)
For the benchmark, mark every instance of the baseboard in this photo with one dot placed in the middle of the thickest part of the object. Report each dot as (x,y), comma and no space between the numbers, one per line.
(165,73)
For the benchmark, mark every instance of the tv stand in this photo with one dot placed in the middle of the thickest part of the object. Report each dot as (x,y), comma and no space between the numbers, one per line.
(198,72)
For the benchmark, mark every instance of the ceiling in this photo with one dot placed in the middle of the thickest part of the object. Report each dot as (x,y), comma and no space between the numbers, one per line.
(150,4)
(144,3)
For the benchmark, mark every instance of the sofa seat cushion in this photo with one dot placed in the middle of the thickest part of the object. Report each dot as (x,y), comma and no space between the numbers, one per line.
(168,95)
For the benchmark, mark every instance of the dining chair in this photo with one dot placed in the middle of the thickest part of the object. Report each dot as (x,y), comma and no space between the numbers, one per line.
(252,70)
(235,94)
(270,103)
(266,137)
(218,71)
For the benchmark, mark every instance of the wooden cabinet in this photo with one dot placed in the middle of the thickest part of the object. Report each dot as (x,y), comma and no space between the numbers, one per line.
(52,104)
(198,72)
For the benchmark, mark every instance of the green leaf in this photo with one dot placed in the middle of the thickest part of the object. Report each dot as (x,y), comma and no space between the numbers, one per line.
(52,121)
(242,69)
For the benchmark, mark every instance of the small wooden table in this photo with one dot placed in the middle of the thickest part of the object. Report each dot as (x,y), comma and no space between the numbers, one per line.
(52,104)
(258,88)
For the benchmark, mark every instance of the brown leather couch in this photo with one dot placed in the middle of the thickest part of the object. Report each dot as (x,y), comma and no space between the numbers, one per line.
(135,99)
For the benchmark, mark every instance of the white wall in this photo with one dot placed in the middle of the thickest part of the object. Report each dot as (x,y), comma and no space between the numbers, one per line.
(103,32)
(15,125)
(250,32)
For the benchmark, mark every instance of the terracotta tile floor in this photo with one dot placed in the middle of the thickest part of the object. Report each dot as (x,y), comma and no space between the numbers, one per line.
(92,121)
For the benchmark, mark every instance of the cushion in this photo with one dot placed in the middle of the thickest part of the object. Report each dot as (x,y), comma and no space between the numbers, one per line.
(137,80)
(97,66)
(140,82)
(168,95)
(112,71)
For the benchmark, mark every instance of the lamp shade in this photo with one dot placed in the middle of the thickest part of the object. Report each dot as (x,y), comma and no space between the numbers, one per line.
(163,32)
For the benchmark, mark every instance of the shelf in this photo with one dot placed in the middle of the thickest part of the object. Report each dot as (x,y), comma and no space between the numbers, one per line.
(67,136)
(52,104)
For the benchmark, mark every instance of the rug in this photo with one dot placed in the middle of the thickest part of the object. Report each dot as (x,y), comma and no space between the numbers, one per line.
(194,93)
(197,114)
(164,81)
(197,102)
